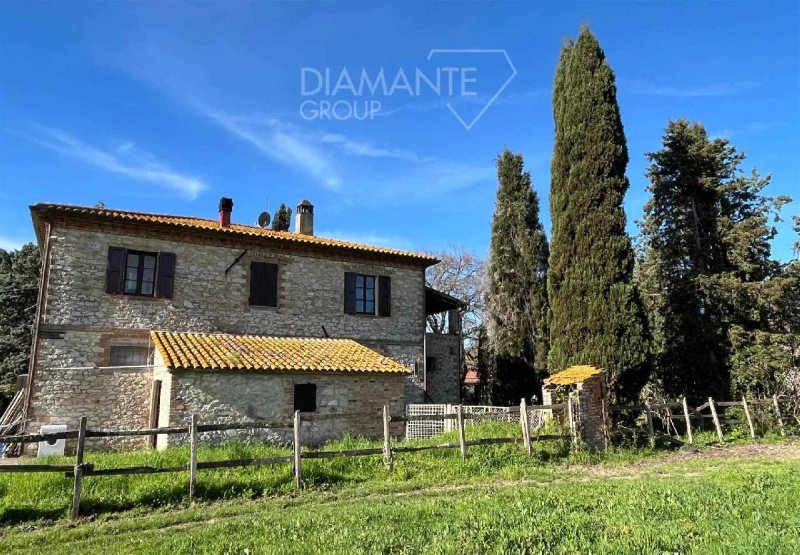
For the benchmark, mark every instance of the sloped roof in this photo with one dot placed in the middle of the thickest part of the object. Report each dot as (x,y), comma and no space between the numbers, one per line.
(573,375)
(207,225)
(222,352)
(472,377)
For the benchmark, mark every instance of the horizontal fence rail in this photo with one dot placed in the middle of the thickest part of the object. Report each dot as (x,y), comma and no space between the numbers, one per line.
(456,415)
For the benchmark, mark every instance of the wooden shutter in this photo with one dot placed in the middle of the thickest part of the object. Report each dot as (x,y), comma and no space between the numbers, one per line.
(165,276)
(384,296)
(263,284)
(349,293)
(115,271)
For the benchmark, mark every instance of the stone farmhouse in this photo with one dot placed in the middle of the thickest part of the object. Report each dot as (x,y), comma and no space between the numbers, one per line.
(144,319)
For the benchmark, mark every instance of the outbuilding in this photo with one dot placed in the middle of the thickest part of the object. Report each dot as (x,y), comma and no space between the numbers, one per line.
(339,385)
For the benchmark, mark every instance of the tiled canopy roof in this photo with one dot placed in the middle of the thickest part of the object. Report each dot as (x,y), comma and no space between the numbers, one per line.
(204,351)
(573,375)
(202,224)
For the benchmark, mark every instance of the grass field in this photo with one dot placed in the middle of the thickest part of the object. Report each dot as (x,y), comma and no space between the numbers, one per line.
(743,499)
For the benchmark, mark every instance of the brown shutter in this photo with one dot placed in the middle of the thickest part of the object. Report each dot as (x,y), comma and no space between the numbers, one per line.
(349,293)
(115,271)
(165,280)
(271,284)
(263,284)
(384,296)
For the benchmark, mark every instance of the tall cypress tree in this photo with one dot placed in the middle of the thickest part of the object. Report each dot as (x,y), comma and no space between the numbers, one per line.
(517,299)
(597,316)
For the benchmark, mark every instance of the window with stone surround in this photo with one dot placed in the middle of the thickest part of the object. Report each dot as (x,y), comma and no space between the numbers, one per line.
(129,355)
(305,397)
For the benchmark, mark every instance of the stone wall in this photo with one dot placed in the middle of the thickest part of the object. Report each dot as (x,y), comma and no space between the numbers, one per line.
(219,397)
(444,381)
(209,297)
(65,390)
(80,322)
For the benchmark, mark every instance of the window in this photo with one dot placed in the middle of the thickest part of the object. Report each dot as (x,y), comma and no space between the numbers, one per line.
(305,397)
(263,284)
(430,364)
(128,355)
(365,294)
(140,273)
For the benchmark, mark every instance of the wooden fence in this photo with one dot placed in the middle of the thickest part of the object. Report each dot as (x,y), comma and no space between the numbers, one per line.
(688,413)
(81,468)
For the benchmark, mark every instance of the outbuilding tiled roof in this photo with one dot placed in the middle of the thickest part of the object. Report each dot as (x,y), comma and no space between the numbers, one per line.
(202,224)
(573,375)
(222,352)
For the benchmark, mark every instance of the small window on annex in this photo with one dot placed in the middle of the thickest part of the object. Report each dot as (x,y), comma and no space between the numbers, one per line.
(129,355)
(305,397)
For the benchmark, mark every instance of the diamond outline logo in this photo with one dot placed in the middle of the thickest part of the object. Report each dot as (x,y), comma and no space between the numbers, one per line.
(502,51)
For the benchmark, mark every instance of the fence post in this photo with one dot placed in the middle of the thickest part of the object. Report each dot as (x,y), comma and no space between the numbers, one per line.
(526,430)
(192,457)
(650,431)
(461,439)
(76,489)
(387,441)
(778,414)
(716,418)
(749,418)
(688,421)
(297,472)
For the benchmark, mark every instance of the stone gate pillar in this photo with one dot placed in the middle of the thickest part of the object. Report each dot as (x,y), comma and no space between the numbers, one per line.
(587,384)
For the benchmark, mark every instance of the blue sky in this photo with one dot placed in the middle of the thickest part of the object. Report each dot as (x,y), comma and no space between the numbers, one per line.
(165,107)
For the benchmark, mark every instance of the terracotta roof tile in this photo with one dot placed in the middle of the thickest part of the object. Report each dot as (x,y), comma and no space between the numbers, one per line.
(573,375)
(205,351)
(191,223)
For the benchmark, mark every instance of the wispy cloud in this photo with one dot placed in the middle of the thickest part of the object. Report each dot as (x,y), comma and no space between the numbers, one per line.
(124,160)
(360,148)
(754,127)
(709,90)
(369,238)
(269,137)
(313,152)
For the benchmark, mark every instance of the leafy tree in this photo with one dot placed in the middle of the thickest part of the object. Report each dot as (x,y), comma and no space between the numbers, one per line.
(597,314)
(282,221)
(19,280)
(517,299)
(713,289)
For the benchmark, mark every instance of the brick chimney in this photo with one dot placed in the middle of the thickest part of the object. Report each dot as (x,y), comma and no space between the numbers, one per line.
(225,209)
(304,219)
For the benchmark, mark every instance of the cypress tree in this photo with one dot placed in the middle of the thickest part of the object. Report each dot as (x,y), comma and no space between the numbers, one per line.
(517,298)
(283,219)
(597,316)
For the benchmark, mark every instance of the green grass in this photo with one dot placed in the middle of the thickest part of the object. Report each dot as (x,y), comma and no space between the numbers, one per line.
(497,500)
